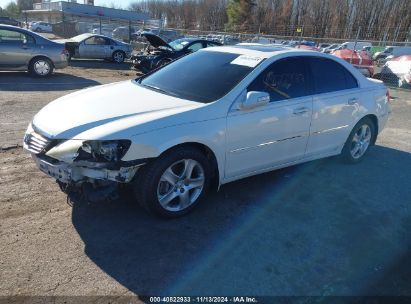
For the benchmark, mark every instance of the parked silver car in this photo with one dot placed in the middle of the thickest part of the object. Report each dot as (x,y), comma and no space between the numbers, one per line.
(93,46)
(22,50)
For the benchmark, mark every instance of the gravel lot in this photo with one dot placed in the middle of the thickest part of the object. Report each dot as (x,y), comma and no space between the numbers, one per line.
(322,228)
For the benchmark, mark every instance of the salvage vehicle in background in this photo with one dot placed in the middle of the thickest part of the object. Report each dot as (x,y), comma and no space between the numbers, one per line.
(124,33)
(209,118)
(41,27)
(105,30)
(8,21)
(92,46)
(354,46)
(330,48)
(359,59)
(23,50)
(161,53)
(397,71)
(395,51)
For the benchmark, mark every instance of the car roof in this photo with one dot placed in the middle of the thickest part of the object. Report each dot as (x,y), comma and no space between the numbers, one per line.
(260,50)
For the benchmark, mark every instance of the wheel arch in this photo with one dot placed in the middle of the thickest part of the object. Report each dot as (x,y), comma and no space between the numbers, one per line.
(207,151)
(41,56)
(119,50)
(374,120)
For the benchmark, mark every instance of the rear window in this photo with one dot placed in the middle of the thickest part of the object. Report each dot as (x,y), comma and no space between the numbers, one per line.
(330,76)
(201,76)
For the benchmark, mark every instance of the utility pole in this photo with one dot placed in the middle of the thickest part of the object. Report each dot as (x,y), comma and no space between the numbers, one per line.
(355,44)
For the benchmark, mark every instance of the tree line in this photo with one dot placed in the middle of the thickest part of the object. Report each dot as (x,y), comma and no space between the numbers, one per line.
(388,20)
(369,19)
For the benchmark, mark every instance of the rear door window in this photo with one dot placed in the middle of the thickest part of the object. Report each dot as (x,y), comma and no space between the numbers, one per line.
(330,76)
(15,37)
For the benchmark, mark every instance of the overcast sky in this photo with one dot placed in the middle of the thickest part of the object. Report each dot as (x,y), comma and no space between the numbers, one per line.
(122,3)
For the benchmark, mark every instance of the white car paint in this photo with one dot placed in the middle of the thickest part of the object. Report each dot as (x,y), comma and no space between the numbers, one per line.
(244,142)
(359,45)
(41,26)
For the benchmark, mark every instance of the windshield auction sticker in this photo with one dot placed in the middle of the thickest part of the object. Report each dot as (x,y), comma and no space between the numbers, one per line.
(246,60)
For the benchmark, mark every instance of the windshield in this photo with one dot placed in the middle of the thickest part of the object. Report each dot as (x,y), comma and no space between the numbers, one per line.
(80,37)
(203,76)
(179,44)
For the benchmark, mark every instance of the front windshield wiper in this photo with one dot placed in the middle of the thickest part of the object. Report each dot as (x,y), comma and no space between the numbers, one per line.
(158,89)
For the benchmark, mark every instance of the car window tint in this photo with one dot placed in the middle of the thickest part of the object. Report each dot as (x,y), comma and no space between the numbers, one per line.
(284,79)
(201,76)
(14,37)
(195,47)
(96,41)
(330,76)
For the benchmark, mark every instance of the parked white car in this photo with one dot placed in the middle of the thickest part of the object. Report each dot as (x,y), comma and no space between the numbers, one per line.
(397,70)
(392,51)
(41,27)
(97,47)
(217,115)
(354,46)
(105,30)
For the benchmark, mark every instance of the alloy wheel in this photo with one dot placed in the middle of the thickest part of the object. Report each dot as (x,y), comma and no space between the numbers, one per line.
(181,185)
(118,57)
(360,141)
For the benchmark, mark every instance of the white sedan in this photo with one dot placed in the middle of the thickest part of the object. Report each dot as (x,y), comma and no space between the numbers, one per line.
(212,117)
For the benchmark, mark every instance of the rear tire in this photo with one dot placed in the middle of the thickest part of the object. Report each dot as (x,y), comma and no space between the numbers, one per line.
(41,67)
(173,184)
(359,141)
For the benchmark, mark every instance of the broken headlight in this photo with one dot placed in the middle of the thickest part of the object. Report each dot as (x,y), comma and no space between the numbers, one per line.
(103,151)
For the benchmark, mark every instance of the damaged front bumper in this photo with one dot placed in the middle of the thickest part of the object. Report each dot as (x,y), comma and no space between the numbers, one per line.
(85,171)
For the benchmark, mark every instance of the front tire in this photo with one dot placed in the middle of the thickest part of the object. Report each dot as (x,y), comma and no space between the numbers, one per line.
(119,56)
(41,67)
(173,184)
(359,141)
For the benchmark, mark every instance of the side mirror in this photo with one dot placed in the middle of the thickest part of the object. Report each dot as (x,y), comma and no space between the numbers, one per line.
(254,100)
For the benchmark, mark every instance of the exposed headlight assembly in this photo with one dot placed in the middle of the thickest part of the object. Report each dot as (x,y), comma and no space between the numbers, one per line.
(103,151)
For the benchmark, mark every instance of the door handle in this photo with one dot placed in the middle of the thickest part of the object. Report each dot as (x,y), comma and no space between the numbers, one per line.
(352,101)
(300,111)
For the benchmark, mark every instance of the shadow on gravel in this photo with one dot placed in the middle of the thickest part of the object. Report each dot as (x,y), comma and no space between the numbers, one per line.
(322,228)
(22,81)
(99,64)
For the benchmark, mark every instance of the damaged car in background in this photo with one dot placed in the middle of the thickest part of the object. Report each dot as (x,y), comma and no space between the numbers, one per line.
(209,118)
(159,52)
(92,46)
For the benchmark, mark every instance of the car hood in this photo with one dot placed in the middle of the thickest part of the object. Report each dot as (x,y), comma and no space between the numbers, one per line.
(156,41)
(109,111)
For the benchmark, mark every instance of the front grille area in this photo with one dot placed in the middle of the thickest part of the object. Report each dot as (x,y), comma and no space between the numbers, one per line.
(36,143)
